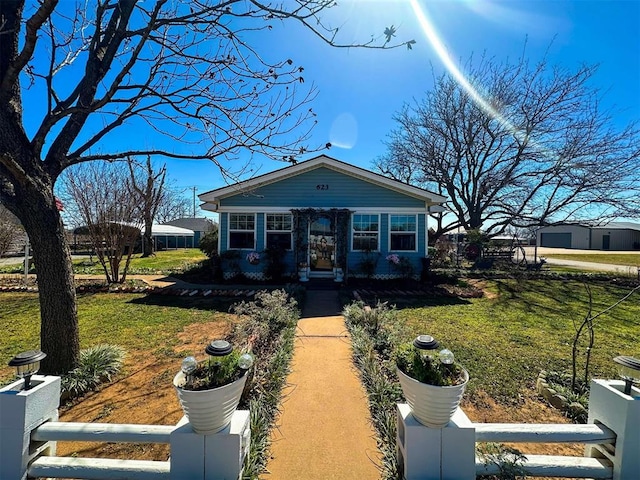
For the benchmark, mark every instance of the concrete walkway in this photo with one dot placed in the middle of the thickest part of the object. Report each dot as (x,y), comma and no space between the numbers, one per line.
(324,431)
(577,264)
(600,267)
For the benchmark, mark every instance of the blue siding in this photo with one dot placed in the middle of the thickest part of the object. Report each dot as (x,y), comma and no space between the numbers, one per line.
(305,190)
(383,267)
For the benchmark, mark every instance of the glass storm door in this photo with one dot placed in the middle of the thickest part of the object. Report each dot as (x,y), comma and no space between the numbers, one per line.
(322,246)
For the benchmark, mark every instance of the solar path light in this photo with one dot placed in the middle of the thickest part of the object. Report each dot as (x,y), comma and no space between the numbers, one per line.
(27,363)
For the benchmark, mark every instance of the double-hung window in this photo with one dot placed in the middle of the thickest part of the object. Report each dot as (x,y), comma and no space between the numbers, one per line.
(279,230)
(365,232)
(403,233)
(242,230)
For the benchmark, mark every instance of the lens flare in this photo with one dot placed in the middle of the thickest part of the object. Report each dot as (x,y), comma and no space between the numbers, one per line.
(435,41)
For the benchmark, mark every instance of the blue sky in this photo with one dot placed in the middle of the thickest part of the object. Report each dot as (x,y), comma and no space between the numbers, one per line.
(359,90)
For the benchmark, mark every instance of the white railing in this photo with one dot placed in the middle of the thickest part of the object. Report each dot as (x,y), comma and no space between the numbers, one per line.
(29,431)
(92,468)
(612,439)
(549,465)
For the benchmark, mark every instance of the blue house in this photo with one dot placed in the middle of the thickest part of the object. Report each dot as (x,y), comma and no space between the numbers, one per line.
(328,218)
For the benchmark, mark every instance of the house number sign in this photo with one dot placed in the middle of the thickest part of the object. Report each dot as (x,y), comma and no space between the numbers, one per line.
(322,186)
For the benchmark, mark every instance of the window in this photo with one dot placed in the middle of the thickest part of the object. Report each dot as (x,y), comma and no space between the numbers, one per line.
(403,230)
(242,230)
(365,232)
(279,230)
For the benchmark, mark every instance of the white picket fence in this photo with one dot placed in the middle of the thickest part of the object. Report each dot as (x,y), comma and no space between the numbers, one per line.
(29,430)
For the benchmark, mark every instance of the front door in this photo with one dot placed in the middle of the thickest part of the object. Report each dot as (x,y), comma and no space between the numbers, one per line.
(606,242)
(322,247)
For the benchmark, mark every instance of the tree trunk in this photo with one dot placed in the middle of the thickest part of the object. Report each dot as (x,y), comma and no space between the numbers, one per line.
(147,239)
(59,317)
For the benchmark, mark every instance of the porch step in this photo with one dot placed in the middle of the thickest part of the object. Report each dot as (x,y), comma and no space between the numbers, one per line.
(322,284)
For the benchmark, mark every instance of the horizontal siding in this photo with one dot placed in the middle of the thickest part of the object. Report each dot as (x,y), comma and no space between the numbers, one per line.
(354,259)
(322,187)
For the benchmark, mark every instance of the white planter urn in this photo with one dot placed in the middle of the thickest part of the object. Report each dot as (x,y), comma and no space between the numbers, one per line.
(431,405)
(209,411)
(338,274)
(303,275)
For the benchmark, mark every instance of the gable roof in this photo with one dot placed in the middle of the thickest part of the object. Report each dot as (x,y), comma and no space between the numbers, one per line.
(214,196)
(198,224)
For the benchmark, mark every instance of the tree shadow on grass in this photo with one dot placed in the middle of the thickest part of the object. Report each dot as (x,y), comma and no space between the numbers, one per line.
(218,304)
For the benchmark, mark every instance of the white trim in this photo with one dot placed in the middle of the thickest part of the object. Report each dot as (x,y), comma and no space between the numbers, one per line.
(214,196)
(255,231)
(365,210)
(266,230)
(415,233)
(378,232)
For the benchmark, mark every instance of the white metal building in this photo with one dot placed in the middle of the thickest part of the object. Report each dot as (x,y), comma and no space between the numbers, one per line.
(622,236)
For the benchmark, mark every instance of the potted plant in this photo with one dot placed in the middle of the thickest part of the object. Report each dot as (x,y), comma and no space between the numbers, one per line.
(253,258)
(433,384)
(209,391)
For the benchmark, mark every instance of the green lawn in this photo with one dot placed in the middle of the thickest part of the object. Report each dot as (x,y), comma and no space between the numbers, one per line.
(133,321)
(504,342)
(629,259)
(164,262)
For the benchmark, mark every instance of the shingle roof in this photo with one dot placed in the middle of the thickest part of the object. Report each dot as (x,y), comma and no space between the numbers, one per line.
(198,224)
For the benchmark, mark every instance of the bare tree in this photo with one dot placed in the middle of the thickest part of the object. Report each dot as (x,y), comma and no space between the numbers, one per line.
(587,325)
(183,73)
(173,204)
(111,210)
(525,145)
(10,230)
(149,188)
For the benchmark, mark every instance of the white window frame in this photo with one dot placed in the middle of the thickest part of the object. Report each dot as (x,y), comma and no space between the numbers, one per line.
(230,230)
(267,231)
(415,232)
(353,232)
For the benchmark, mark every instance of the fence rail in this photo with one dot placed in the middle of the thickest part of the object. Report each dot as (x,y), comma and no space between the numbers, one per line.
(543,433)
(99,468)
(555,466)
(102,432)
(549,465)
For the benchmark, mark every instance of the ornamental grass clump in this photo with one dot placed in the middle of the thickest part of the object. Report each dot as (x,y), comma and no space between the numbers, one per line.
(96,365)
(440,370)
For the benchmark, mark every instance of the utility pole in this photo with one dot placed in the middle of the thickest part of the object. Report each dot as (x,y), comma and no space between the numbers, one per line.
(194,200)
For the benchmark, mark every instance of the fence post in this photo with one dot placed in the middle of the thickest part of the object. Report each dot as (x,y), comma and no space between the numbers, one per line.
(436,453)
(219,456)
(609,406)
(22,411)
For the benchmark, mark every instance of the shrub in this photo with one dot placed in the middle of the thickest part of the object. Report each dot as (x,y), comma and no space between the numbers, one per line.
(379,323)
(275,267)
(377,373)
(96,365)
(209,243)
(268,325)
